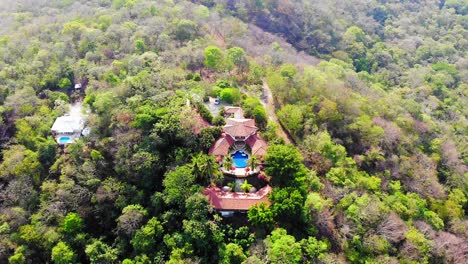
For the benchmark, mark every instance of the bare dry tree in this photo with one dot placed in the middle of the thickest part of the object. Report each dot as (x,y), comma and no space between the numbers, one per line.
(393,228)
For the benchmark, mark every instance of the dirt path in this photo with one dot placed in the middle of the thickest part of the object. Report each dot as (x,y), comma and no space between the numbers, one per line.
(75,109)
(269,104)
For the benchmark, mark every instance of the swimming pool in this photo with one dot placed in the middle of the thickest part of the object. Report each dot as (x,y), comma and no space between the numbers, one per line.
(64,140)
(240,159)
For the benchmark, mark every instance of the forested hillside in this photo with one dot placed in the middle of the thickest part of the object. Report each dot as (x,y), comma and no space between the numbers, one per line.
(372,93)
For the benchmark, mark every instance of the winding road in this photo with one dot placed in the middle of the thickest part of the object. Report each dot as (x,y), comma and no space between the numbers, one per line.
(269,104)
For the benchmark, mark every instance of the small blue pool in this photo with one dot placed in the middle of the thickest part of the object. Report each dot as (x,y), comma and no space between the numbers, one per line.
(64,140)
(240,159)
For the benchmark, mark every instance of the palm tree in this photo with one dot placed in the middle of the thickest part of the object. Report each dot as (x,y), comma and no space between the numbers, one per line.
(197,165)
(245,187)
(228,162)
(253,162)
(211,167)
(204,167)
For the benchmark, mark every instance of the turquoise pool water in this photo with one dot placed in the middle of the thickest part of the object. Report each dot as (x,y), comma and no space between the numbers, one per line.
(240,159)
(64,140)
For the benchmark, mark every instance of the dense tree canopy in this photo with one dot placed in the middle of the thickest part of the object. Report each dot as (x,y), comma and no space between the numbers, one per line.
(363,106)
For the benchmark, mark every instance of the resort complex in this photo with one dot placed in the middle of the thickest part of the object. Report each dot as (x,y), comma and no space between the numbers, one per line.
(240,152)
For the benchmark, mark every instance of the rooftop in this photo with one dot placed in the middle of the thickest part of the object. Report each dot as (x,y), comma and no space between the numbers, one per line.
(235,110)
(257,144)
(68,124)
(221,146)
(236,201)
(237,127)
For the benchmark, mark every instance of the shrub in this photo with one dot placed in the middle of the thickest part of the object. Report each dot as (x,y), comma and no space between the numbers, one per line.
(204,112)
(230,95)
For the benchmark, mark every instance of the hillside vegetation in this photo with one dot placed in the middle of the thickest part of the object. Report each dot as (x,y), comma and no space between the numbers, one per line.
(373,94)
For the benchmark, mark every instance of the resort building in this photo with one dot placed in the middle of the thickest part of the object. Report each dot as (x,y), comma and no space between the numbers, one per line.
(238,142)
(229,202)
(236,134)
(67,129)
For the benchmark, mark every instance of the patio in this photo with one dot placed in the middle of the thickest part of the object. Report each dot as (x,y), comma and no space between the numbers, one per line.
(240,172)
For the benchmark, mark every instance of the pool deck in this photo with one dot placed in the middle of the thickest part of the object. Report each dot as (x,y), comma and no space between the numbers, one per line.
(240,172)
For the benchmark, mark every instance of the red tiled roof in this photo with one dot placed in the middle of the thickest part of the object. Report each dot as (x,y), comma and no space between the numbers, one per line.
(233,201)
(237,111)
(240,121)
(257,144)
(221,146)
(240,127)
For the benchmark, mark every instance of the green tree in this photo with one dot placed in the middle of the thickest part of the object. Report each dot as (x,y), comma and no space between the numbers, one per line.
(197,207)
(260,116)
(261,216)
(185,30)
(287,205)
(18,257)
(140,45)
(63,254)
(313,247)
(219,121)
(233,254)
(288,71)
(46,151)
(72,223)
(292,117)
(104,22)
(328,112)
(214,58)
(285,166)
(422,244)
(322,143)
(236,56)
(20,162)
(100,252)
(369,134)
(105,102)
(315,203)
(203,235)
(178,185)
(65,83)
(270,131)
(249,104)
(96,155)
(354,40)
(283,248)
(112,79)
(147,237)
(230,95)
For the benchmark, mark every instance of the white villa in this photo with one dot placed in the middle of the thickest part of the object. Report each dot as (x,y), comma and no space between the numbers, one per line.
(68,128)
